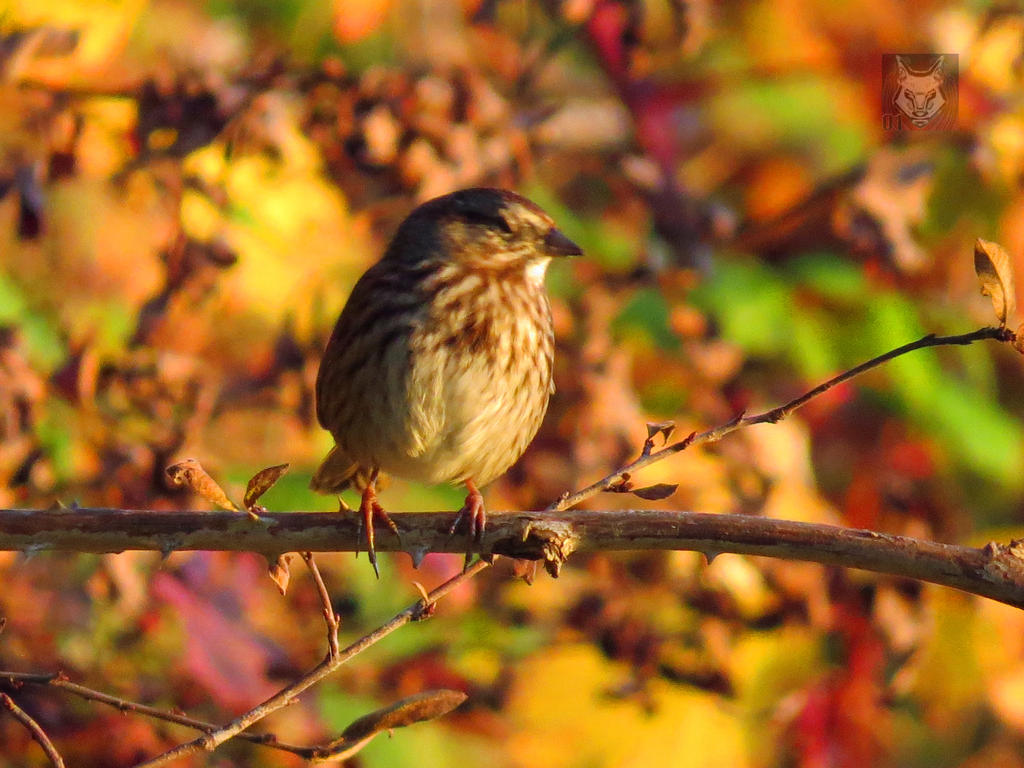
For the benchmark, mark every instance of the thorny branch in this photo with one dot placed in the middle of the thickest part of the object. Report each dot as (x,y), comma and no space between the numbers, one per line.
(995,571)
(550,535)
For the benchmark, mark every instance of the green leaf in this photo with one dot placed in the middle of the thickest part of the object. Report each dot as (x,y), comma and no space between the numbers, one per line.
(751,304)
(43,344)
(793,110)
(978,432)
(55,436)
(831,276)
(813,346)
(648,313)
(975,429)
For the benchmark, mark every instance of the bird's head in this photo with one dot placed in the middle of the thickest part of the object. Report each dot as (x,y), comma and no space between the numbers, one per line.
(485,229)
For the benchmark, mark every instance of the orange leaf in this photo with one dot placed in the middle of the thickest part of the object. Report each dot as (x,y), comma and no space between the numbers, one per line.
(357,19)
(279,572)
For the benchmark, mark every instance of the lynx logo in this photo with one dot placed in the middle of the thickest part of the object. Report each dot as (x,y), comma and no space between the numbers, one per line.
(919,91)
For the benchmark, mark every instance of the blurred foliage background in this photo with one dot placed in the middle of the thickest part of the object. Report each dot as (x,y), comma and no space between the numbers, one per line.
(189,190)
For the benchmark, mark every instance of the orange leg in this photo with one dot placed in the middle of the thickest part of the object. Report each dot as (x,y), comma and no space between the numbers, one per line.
(474,515)
(371,511)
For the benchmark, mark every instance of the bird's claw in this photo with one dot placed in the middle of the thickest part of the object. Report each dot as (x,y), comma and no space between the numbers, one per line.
(476,520)
(370,511)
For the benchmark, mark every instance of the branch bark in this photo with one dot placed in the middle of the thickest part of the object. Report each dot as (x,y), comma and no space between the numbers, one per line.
(33,728)
(995,571)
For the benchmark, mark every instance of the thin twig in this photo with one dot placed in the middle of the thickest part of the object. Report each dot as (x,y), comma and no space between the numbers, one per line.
(316,752)
(419,609)
(330,617)
(58,680)
(34,728)
(775,414)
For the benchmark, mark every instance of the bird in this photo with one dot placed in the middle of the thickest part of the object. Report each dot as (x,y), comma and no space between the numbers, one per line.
(440,366)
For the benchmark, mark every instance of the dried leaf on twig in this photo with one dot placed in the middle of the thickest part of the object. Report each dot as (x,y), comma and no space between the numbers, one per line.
(663,428)
(995,271)
(279,572)
(260,483)
(412,709)
(655,492)
(191,474)
(624,484)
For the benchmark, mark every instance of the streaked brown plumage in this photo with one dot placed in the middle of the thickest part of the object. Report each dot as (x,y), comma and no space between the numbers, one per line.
(439,367)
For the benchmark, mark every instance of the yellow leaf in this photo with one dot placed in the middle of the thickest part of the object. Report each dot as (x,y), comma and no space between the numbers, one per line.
(562,716)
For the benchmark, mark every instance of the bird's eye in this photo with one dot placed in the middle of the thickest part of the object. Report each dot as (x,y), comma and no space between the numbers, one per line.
(492,220)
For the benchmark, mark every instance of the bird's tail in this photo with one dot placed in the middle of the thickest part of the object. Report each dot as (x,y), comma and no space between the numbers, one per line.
(337,472)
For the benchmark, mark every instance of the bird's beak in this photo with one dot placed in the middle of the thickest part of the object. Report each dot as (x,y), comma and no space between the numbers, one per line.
(558,244)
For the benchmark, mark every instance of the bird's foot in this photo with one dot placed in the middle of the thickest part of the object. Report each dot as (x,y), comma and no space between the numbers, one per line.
(370,511)
(475,516)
